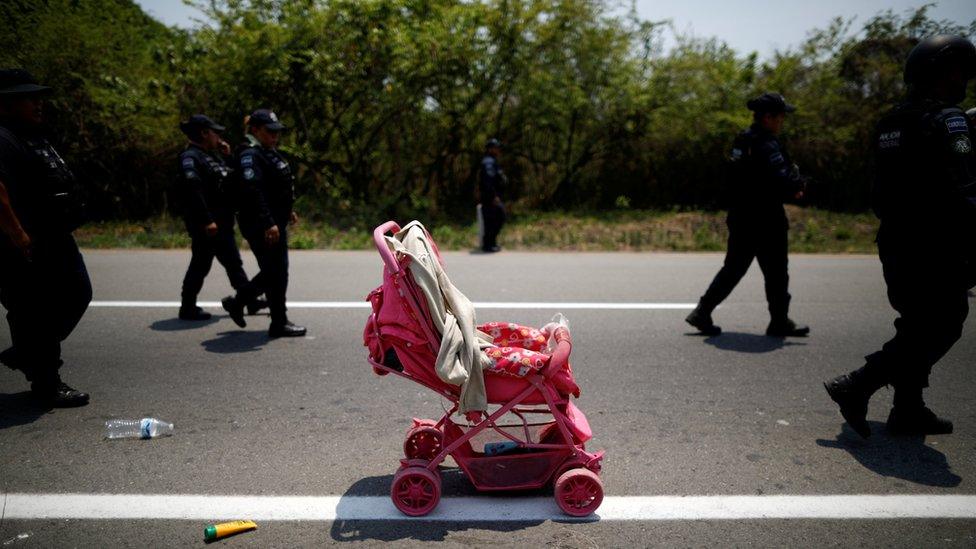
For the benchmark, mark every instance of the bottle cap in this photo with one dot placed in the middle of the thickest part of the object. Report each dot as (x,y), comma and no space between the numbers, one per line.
(210,532)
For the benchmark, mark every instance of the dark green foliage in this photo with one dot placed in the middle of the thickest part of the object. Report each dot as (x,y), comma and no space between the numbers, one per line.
(390,101)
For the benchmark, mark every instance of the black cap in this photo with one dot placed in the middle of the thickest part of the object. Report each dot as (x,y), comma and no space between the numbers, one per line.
(199,122)
(19,82)
(937,54)
(772,103)
(493,142)
(266,118)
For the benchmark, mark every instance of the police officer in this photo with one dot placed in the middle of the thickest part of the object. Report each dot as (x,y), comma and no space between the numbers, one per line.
(266,193)
(491,184)
(925,196)
(763,178)
(204,183)
(44,285)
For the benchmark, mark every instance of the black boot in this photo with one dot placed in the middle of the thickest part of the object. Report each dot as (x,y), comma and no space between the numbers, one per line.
(701,319)
(256,305)
(193,312)
(58,394)
(786,328)
(285,329)
(852,392)
(235,309)
(918,421)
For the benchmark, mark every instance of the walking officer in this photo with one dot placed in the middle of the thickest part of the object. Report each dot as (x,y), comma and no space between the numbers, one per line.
(44,285)
(204,185)
(266,193)
(491,183)
(763,178)
(925,196)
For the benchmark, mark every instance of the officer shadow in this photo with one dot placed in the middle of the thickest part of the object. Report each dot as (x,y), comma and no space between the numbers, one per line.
(177,325)
(20,409)
(346,528)
(903,457)
(748,343)
(237,341)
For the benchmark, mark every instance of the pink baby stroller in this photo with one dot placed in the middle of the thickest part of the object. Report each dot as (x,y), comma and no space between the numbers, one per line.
(525,452)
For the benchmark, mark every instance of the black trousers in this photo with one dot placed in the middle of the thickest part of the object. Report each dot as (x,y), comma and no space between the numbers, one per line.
(273,278)
(929,293)
(45,299)
(494,217)
(767,243)
(204,249)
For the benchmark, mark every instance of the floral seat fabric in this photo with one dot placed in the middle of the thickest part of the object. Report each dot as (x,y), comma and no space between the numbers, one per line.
(518,350)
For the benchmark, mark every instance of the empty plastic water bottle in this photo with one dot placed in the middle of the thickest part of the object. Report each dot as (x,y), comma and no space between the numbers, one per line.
(147,427)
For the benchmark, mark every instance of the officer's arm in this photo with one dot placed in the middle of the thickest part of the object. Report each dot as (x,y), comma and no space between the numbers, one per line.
(198,213)
(488,183)
(9,223)
(959,158)
(252,197)
(784,178)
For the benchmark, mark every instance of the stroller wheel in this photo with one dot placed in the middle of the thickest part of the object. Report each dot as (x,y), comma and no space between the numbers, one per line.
(415,491)
(579,492)
(423,442)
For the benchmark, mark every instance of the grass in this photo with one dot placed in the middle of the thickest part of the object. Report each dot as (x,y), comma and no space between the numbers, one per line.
(811,231)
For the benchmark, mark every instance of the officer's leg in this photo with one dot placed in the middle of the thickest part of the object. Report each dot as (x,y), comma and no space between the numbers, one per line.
(741,250)
(74,288)
(201,259)
(772,258)
(738,257)
(280,325)
(225,249)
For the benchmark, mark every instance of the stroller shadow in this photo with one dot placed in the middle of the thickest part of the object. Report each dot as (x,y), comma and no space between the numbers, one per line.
(20,409)
(177,325)
(748,343)
(904,457)
(453,484)
(236,342)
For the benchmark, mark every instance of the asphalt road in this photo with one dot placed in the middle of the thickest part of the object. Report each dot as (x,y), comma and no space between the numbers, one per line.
(678,414)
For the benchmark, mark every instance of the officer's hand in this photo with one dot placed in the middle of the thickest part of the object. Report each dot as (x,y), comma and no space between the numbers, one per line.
(798,195)
(225,147)
(294,218)
(22,242)
(272,235)
(211,229)
(497,201)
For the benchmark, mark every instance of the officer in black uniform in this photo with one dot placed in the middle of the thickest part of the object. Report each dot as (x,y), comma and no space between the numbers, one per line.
(204,183)
(44,285)
(925,196)
(763,178)
(491,184)
(266,193)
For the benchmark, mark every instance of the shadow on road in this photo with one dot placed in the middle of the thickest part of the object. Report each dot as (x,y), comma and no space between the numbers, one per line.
(177,325)
(748,343)
(904,457)
(454,484)
(236,342)
(20,409)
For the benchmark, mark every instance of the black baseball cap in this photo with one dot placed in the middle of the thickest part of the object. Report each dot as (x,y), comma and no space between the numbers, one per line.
(200,122)
(266,118)
(772,103)
(20,82)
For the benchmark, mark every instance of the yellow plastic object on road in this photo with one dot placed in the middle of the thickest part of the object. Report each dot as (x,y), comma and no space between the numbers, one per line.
(224,529)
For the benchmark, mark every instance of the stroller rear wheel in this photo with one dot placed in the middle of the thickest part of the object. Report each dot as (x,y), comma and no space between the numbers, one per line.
(579,492)
(423,442)
(416,491)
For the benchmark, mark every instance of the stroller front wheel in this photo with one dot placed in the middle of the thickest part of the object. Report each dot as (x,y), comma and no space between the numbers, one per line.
(416,491)
(579,492)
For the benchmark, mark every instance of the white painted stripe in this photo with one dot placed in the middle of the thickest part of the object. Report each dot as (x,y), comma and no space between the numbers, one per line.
(557,305)
(486,509)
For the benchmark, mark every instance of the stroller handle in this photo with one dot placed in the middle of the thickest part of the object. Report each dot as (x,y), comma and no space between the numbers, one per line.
(383,248)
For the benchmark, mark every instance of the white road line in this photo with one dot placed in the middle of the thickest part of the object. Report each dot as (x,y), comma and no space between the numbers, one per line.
(556,305)
(486,509)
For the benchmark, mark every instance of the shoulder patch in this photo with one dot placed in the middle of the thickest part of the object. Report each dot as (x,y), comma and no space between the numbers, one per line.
(957,124)
(247,159)
(776,158)
(889,140)
(736,154)
(248,173)
(962,145)
(187,162)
